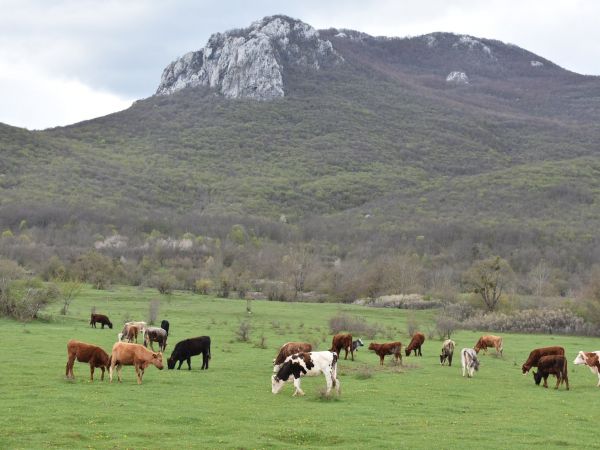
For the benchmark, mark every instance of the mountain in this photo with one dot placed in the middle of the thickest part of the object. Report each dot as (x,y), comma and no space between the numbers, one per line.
(450,137)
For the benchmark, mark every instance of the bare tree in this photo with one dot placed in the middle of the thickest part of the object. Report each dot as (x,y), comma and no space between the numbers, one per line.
(68,291)
(539,277)
(489,278)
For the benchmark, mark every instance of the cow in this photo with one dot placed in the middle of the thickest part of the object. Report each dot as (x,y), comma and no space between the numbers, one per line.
(288,349)
(447,352)
(356,344)
(537,353)
(184,350)
(140,325)
(165,326)
(552,365)
(388,348)
(154,334)
(342,342)
(102,319)
(125,354)
(590,359)
(132,334)
(86,353)
(469,361)
(489,341)
(415,344)
(307,364)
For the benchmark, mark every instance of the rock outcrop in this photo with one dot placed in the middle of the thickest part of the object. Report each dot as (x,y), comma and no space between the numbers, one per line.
(251,62)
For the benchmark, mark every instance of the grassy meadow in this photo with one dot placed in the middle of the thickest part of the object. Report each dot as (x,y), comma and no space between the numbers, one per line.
(417,405)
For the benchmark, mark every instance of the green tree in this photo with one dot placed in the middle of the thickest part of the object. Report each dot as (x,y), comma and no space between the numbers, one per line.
(489,278)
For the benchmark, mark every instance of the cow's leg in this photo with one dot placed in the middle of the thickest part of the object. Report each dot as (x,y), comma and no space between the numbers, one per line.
(352,352)
(546,381)
(204,361)
(70,364)
(180,363)
(119,367)
(450,360)
(420,354)
(297,390)
(189,362)
(102,376)
(381,360)
(566,380)
(329,381)
(91,371)
(137,374)
(346,355)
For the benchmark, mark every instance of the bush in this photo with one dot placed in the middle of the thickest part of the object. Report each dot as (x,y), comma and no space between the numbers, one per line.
(24,299)
(163,282)
(243,332)
(355,325)
(203,286)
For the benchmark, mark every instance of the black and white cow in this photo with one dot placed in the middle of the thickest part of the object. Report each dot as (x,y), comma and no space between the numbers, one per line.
(184,350)
(155,334)
(470,363)
(357,343)
(307,364)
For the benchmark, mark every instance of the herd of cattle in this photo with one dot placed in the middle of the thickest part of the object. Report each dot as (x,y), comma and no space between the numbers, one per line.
(296,359)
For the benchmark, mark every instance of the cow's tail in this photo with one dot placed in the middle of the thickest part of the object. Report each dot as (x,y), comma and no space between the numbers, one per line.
(209,356)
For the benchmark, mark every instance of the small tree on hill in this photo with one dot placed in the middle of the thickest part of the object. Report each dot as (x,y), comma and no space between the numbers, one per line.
(489,278)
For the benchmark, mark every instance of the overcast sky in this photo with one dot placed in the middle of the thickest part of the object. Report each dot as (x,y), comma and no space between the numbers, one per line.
(63,61)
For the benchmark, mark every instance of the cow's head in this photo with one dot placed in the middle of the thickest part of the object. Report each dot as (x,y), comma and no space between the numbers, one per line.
(525,368)
(580,359)
(443,357)
(110,324)
(407,351)
(475,364)
(171,362)
(537,376)
(276,384)
(373,346)
(157,360)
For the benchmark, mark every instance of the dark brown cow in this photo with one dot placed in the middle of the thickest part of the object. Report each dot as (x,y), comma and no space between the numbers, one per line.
(415,344)
(86,353)
(288,349)
(100,318)
(388,348)
(537,353)
(489,341)
(552,365)
(124,354)
(342,342)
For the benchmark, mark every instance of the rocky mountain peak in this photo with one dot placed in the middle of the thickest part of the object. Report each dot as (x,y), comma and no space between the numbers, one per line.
(251,62)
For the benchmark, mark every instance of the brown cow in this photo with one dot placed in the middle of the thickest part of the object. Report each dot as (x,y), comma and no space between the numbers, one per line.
(552,365)
(342,342)
(489,341)
(88,353)
(537,353)
(289,348)
(102,319)
(415,344)
(388,348)
(132,333)
(124,354)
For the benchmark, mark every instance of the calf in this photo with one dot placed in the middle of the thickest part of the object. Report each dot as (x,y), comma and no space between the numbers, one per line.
(356,344)
(389,348)
(101,319)
(141,326)
(552,365)
(470,363)
(165,326)
(536,354)
(415,344)
(590,359)
(184,350)
(86,353)
(447,352)
(124,354)
(307,364)
(153,334)
(132,334)
(489,341)
(288,349)
(342,342)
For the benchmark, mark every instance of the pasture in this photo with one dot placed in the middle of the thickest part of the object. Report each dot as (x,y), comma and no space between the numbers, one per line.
(417,405)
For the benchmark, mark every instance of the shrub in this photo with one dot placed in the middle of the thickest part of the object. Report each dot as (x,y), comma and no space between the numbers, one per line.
(243,331)
(355,325)
(163,282)
(203,286)
(24,299)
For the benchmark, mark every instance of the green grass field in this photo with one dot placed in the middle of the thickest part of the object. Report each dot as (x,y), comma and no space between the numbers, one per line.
(418,405)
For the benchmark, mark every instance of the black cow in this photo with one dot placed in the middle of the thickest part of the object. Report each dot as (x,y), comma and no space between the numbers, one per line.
(100,318)
(184,350)
(165,326)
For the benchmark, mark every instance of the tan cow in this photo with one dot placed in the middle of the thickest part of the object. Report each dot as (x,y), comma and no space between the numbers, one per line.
(124,354)
(489,341)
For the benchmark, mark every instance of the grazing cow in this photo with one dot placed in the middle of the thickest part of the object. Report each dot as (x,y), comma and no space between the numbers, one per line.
(288,349)
(86,353)
(184,350)
(356,344)
(342,342)
(590,359)
(415,344)
(100,318)
(537,353)
(552,365)
(141,326)
(132,333)
(124,354)
(389,348)
(165,326)
(470,363)
(154,334)
(447,352)
(307,364)
(489,341)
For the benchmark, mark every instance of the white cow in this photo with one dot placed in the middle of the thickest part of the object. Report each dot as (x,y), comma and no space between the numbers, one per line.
(590,359)
(307,364)
(140,325)
(470,363)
